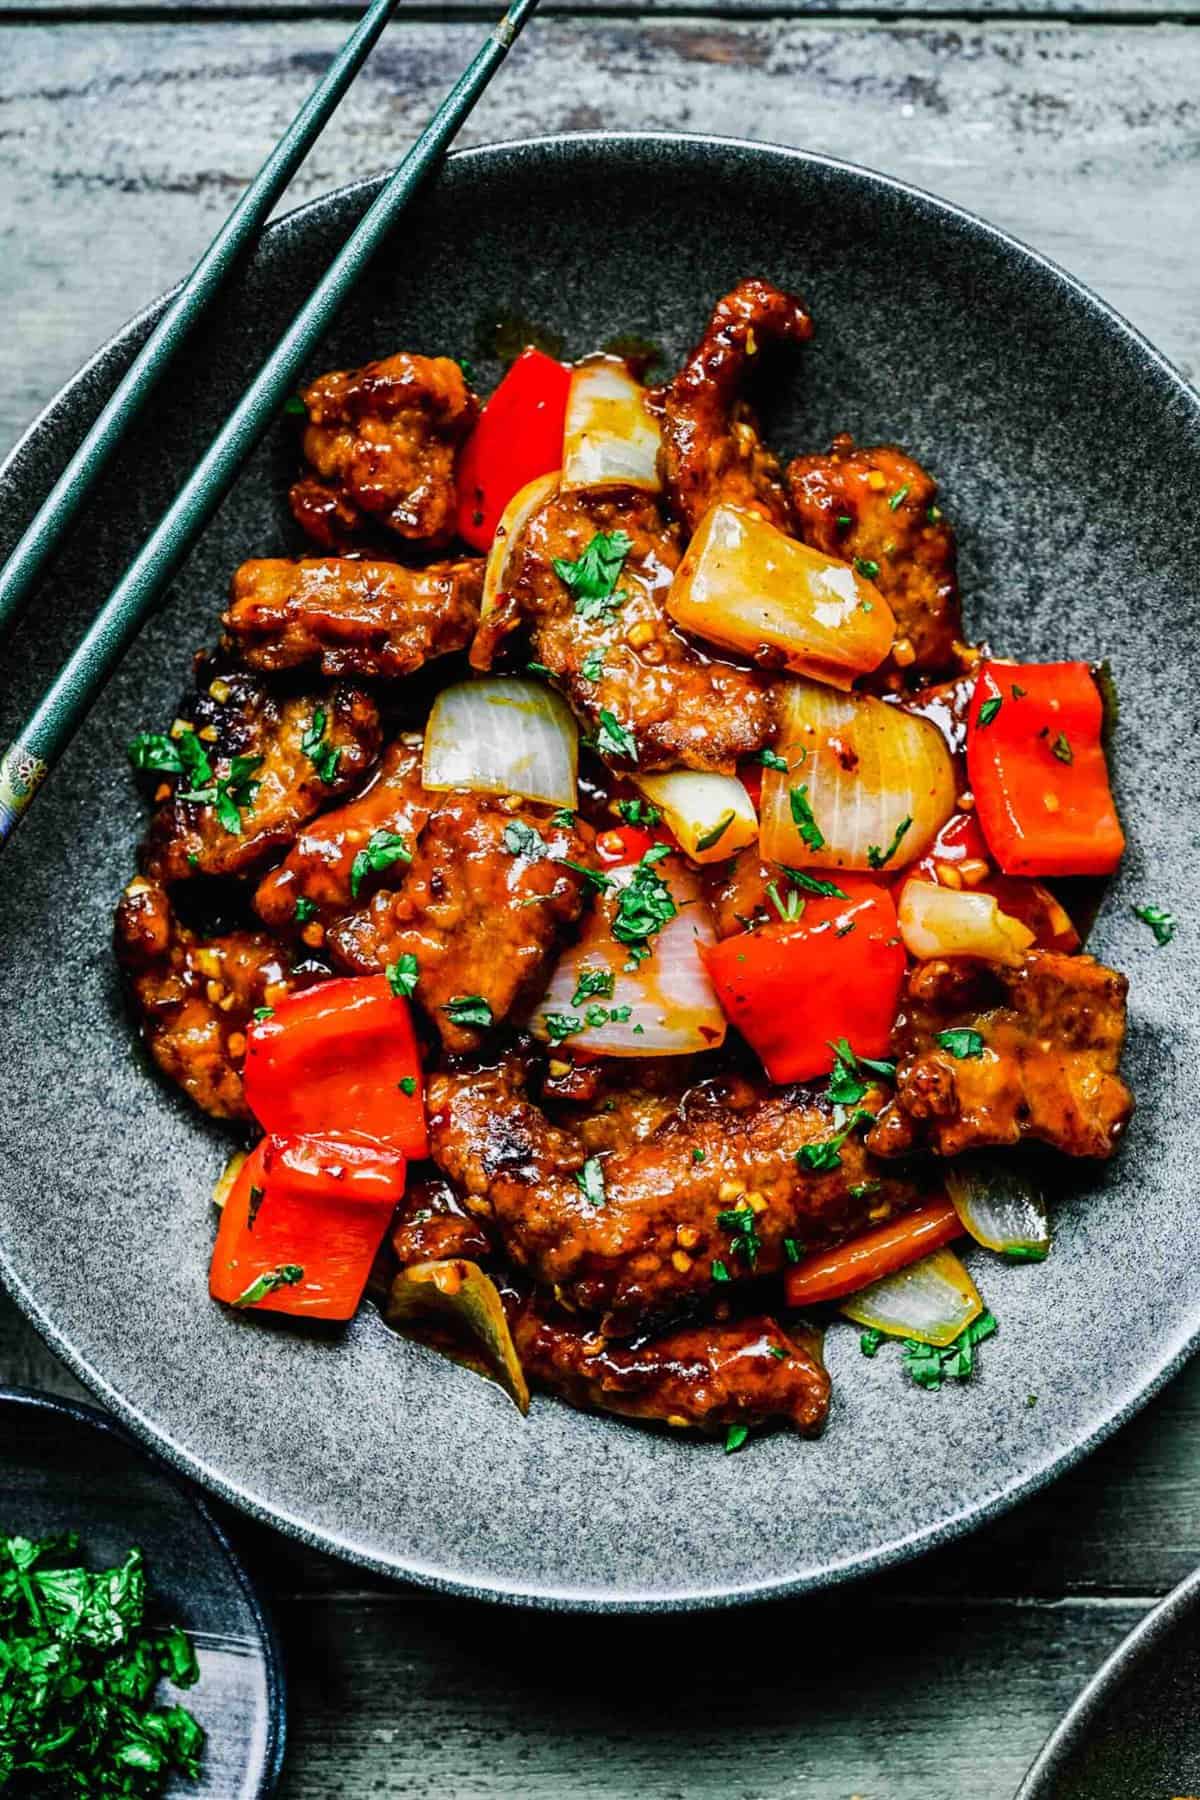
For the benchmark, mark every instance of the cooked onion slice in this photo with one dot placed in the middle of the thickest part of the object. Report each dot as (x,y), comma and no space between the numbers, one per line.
(609,438)
(868,786)
(224,1184)
(932,1301)
(513,520)
(744,584)
(1000,1205)
(668,994)
(711,815)
(457,1295)
(941,921)
(502,736)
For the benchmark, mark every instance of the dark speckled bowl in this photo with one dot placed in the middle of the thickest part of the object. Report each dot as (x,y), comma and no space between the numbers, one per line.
(1070,455)
(1134,1731)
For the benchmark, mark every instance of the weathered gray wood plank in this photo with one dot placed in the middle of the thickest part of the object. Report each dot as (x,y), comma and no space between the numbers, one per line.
(891,1701)
(123,145)
(449,10)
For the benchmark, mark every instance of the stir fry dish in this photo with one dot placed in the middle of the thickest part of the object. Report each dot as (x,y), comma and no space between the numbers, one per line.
(631,913)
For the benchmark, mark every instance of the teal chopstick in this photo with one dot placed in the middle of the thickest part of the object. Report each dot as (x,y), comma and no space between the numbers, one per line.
(57,513)
(49,729)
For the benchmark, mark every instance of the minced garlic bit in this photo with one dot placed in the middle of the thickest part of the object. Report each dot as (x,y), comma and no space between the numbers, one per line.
(236,1044)
(973,871)
(220,690)
(208,961)
(641,634)
(756,1201)
(876,479)
(903,653)
(558,1069)
(948,875)
(209,734)
(729,1190)
(681,1261)
(687,1235)
(1050,802)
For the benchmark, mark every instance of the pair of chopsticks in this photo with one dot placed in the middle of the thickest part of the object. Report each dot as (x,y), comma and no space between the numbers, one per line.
(49,729)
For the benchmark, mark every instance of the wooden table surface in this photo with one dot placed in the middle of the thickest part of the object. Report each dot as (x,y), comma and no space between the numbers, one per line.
(126,130)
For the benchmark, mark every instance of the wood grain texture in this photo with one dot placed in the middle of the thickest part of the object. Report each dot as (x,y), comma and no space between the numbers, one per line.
(123,145)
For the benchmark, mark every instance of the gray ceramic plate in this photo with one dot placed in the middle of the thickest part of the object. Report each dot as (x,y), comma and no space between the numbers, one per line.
(1134,1731)
(65,1467)
(1070,455)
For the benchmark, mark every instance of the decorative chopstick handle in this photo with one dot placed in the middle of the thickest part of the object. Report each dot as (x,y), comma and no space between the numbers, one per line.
(50,728)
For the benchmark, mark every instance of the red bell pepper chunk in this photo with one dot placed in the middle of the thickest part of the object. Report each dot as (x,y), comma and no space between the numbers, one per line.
(519,436)
(834,973)
(1037,770)
(340,1056)
(303,1222)
(832,1274)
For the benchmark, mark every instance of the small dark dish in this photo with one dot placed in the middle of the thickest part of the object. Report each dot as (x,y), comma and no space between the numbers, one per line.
(1074,453)
(1133,1732)
(65,1467)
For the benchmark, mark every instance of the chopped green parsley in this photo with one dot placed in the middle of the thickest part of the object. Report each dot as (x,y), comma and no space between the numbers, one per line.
(1160,921)
(802,817)
(469,1009)
(961,1042)
(592,577)
(877,857)
(382,849)
(323,755)
(402,975)
(286,1275)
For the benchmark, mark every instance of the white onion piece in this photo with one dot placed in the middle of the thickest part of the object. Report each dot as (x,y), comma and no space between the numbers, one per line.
(669,994)
(743,583)
(1000,1205)
(502,736)
(513,520)
(224,1184)
(864,767)
(609,438)
(931,1300)
(712,816)
(942,921)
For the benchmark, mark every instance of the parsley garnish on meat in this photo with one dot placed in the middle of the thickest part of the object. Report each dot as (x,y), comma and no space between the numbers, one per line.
(771,759)
(561,1026)
(523,840)
(866,566)
(592,577)
(306,909)
(286,1275)
(744,1240)
(989,709)
(563,819)
(593,982)
(227,794)
(802,818)
(847,1084)
(719,1271)
(735,1437)
(961,1042)
(264,1012)
(594,877)
(877,857)
(590,1180)
(613,739)
(78,1673)
(184,755)
(382,849)
(645,905)
(826,1154)
(898,498)
(402,975)
(812,884)
(1160,921)
(323,755)
(469,1009)
(592,666)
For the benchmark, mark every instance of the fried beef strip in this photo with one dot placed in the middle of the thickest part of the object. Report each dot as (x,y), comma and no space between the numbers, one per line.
(711,445)
(482,915)
(1052,1028)
(382,442)
(351,617)
(319,867)
(876,508)
(235,714)
(195,995)
(707,1376)
(434,1226)
(646,1249)
(682,706)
